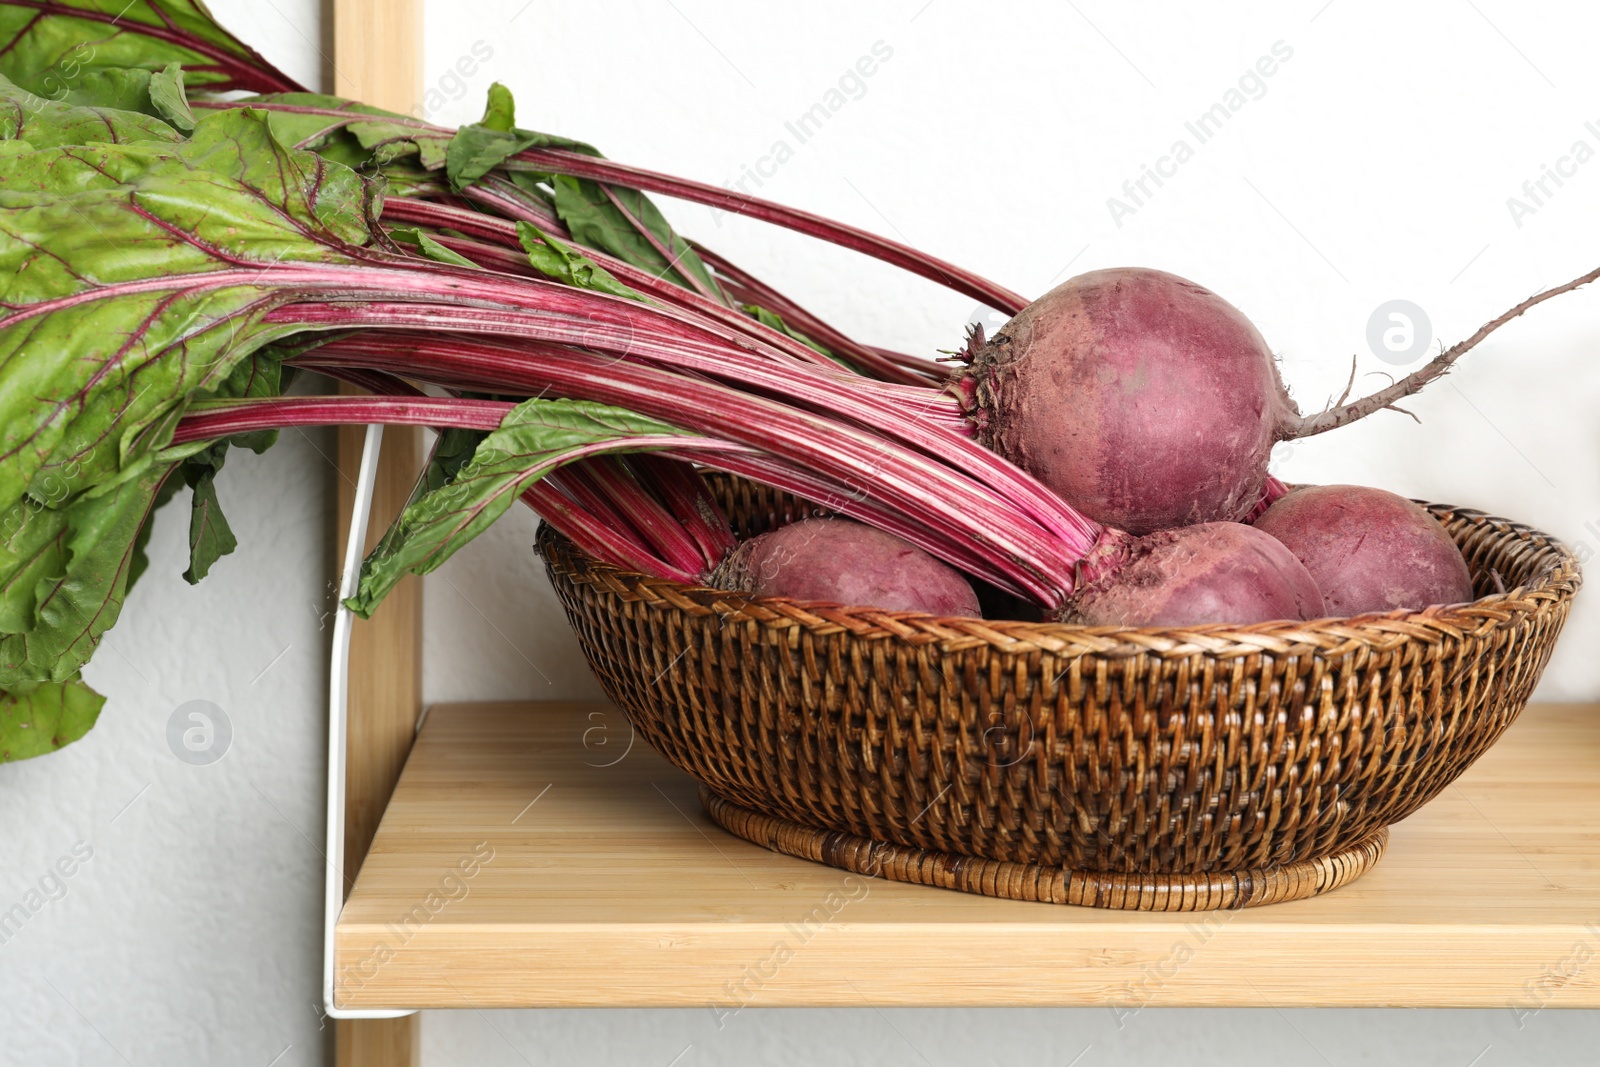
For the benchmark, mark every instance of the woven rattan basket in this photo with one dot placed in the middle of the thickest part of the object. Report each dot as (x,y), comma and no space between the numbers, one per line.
(1162,769)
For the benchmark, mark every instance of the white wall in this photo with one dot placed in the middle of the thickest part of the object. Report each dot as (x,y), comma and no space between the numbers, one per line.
(192,934)
(1389,142)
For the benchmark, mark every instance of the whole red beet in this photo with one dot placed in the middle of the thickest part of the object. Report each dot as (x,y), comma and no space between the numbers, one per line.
(845,562)
(1146,401)
(1222,572)
(1369,550)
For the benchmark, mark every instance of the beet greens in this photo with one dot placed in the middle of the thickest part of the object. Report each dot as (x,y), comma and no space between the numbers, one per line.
(163,282)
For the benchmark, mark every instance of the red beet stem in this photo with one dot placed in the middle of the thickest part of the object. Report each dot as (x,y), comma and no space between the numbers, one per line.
(840,499)
(745,336)
(514,261)
(886,365)
(549,310)
(937,496)
(224,418)
(892,367)
(637,331)
(517,203)
(559,161)
(714,408)
(1270,491)
(617,485)
(751,290)
(686,495)
(916,427)
(605,541)
(608,539)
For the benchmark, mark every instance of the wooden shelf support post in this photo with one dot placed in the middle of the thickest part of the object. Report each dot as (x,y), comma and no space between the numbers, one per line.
(377,59)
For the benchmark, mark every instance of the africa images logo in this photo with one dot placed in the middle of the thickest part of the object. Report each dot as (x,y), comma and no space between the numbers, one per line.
(1251,85)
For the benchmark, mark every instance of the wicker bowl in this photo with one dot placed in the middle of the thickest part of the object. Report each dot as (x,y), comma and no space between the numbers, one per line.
(1153,768)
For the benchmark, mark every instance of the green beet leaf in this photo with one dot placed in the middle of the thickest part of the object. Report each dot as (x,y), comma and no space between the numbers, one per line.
(624,223)
(774,320)
(407,150)
(351,132)
(87,391)
(42,123)
(500,111)
(115,88)
(75,605)
(535,438)
(45,717)
(141,560)
(625,227)
(158,95)
(33,548)
(481,147)
(452,450)
(430,248)
(112,329)
(56,44)
(168,99)
(210,536)
(407,179)
(562,263)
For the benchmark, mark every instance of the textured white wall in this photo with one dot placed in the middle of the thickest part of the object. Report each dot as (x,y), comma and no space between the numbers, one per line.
(1375,167)
(192,934)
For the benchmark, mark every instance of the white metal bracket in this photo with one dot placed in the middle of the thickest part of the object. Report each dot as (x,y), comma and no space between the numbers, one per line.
(338,721)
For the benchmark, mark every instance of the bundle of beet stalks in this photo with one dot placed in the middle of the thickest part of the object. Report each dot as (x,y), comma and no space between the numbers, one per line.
(175,253)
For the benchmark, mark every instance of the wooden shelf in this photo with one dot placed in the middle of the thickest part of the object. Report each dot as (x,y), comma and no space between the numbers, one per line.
(608,886)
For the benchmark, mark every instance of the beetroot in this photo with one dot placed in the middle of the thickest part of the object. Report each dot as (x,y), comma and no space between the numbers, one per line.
(1369,550)
(1146,401)
(846,562)
(1212,572)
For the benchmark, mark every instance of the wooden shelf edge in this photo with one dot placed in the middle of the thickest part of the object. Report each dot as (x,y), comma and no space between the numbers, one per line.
(754,970)
(609,887)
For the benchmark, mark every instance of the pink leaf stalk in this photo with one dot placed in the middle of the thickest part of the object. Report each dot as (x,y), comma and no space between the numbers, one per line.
(557,161)
(605,541)
(855,457)
(560,161)
(910,426)
(891,366)
(685,494)
(615,484)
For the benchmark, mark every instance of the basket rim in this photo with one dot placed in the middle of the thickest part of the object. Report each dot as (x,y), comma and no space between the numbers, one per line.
(1556,583)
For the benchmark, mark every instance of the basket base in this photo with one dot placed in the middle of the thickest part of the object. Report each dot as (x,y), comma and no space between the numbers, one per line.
(1038,882)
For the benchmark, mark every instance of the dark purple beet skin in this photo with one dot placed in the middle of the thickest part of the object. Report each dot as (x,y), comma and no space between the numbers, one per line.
(1215,572)
(845,562)
(1369,550)
(1144,400)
